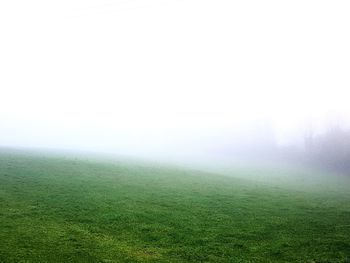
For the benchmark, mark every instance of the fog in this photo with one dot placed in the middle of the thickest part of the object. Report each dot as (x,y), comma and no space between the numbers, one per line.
(172,79)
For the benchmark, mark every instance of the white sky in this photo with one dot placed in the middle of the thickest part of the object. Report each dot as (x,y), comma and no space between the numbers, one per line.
(129,74)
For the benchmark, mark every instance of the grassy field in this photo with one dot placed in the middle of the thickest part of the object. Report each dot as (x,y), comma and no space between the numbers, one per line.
(57,209)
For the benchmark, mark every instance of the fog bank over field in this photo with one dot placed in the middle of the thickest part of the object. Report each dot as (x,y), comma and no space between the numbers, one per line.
(190,80)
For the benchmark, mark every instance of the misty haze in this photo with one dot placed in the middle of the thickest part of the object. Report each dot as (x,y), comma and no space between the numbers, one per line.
(174,131)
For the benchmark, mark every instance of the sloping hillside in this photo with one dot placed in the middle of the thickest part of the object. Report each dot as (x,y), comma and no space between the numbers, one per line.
(57,209)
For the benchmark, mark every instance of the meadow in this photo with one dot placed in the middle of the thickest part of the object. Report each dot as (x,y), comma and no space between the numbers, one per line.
(64,209)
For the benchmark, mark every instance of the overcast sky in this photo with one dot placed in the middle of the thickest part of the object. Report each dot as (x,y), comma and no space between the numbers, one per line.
(132,74)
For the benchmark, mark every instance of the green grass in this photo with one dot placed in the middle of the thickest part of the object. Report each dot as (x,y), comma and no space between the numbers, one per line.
(56,209)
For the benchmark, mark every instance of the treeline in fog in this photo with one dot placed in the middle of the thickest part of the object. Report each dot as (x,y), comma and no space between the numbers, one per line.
(330,149)
(327,148)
